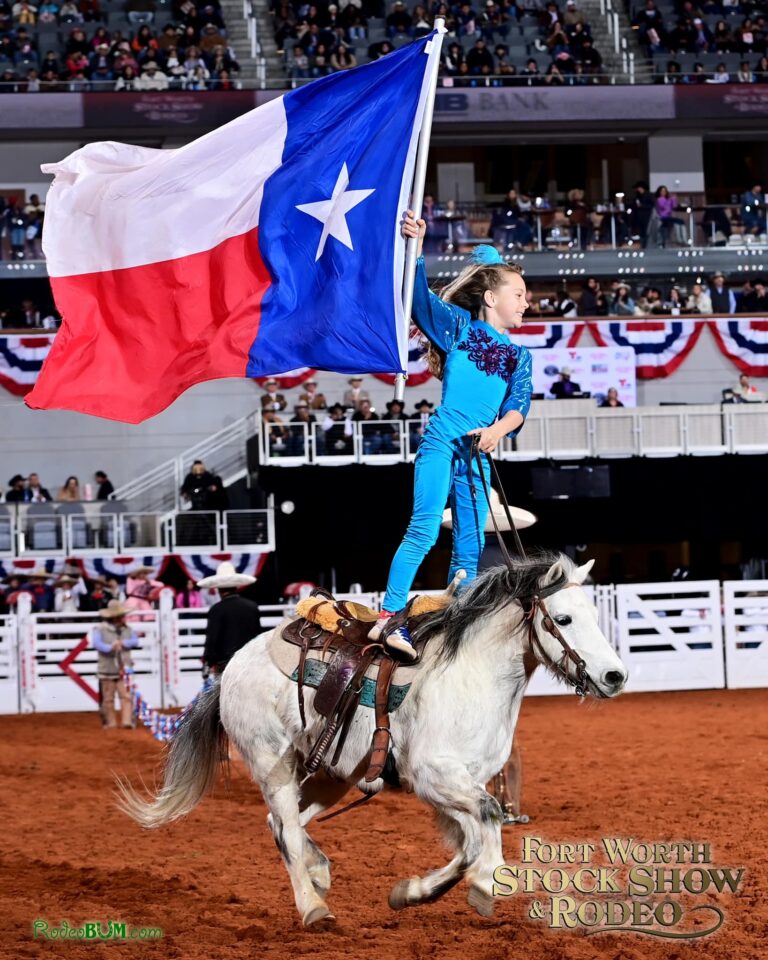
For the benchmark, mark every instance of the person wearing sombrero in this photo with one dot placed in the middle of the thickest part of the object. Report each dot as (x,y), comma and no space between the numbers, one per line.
(67,592)
(114,640)
(486,394)
(140,591)
(233,621)
(38,586)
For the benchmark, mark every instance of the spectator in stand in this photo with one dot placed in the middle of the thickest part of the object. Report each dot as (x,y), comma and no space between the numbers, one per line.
(35,491)
(640,211)
(622,304)
(453,58)
(531,73)
(592,302)
(612,398)
(753,210)
(153,78)
(761,70)
(355,395)
(418,421)
(650,26)
(338,431)
(722,298)
(390,436)
(716,224)
(573,16)
(141,593)
(744,73)
(747,39)
(722,38)
(756,299)
(564,387)
(106,489)
(17,489)
(666,204)
(366,415)
(277,434)
(189,597)
(221,60)
(70,492)
(114,640)
(674,303)
(720,75)
(702,40)
(650,303)
(203,489)
(479,56)
(299,434)
(589,57)
(40,590)
(699,300)
(399,22)
(271,399)
(128,80)
(747,393)
(310,396)
(67,593)
(69,12)
(24,14)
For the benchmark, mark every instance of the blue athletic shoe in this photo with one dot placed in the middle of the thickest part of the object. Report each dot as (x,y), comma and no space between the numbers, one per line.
(400,641)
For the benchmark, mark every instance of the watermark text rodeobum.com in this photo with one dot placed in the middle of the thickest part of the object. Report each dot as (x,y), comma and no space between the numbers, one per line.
(93,930)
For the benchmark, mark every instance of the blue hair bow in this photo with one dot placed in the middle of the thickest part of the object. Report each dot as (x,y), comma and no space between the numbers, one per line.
(485,254)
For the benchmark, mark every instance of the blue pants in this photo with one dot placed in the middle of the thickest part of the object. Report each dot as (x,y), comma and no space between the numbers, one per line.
(442,473)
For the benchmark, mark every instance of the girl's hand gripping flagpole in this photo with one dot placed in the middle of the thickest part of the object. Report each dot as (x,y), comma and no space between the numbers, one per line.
(417,197)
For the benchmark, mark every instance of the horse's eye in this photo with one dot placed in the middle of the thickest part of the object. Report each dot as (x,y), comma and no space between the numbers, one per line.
(563,620)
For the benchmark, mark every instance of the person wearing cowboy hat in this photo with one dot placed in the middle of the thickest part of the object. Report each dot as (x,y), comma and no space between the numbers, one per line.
(564,387)
(271,400)
(233,621)
(355,395)
(310,396)
(40,590)
(337,432)
(140,591)
(114,640)
(723,298)
(67,592)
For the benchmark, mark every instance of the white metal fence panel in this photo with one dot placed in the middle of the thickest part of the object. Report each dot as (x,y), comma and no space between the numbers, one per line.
(182,651)
(745,604)
(64,661)
(9,676)
(670,635)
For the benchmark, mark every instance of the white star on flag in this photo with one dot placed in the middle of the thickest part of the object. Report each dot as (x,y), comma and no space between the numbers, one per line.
(332,213)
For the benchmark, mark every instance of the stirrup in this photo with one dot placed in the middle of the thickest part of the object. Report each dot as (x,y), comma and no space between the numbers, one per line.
(400,641)
(511,818)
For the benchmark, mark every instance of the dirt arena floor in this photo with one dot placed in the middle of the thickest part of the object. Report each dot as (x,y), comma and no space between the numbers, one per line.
(656,767)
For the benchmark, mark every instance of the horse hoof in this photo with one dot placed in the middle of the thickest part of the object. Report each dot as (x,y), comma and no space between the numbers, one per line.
(398,895)
(318,916)
(481,901)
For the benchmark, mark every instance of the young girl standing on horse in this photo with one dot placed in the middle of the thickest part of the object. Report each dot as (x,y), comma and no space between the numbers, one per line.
(486,392)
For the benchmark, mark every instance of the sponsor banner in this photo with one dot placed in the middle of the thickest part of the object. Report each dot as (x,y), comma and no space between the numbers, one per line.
(182,109)
(594,369)
(50,110)
(721,101)
(540,105)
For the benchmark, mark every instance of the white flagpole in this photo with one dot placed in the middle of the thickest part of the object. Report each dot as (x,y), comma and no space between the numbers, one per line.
(417,196)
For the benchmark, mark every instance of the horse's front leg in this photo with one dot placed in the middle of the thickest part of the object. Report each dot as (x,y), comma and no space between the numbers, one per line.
(472,822)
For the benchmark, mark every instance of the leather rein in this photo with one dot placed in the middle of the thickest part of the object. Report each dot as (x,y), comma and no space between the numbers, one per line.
(535,604)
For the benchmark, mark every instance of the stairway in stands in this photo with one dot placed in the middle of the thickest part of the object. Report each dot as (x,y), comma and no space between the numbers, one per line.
(251,67)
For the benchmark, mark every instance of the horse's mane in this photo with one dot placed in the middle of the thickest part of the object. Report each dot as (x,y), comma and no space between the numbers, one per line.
(490,592)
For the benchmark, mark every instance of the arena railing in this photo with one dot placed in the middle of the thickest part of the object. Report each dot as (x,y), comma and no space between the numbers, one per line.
(678,635)
(92,529)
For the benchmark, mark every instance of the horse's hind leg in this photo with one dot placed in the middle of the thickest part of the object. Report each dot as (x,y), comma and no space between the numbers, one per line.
(276,776)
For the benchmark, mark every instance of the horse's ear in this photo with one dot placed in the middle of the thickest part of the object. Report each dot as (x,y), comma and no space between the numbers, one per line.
(581,573)
(556,572)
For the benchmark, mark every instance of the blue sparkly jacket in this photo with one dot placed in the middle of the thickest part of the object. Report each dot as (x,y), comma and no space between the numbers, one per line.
(485,375)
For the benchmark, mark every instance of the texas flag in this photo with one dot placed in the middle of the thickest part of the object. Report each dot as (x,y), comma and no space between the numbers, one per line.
(271,243)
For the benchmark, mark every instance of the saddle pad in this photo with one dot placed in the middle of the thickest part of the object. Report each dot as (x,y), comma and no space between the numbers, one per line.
(285,657)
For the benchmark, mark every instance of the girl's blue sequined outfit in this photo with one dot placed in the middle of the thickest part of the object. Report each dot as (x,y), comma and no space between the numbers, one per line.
(485,377)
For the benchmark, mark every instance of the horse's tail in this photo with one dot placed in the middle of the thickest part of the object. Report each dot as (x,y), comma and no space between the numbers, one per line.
(197,748)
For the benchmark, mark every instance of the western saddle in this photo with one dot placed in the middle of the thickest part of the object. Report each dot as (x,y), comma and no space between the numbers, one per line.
(338,630)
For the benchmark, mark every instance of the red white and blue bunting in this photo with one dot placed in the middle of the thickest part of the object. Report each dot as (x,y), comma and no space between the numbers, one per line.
(660,345)
(162,726)
(200,565)
(21,359)
(418,372)
(549,336)
(119,567)
(745,343)
(23,568)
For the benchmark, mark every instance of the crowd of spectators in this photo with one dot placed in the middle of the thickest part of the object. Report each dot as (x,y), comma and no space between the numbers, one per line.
(68,46)
(330,426)
(499,43)
(619,298)
(706,42)
(31,489)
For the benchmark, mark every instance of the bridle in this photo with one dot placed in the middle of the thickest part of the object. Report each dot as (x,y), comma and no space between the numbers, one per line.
(534,604)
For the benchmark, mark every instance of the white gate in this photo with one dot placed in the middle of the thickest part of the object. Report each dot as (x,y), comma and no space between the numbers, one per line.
(670,635)
(746,632)
(9,676)
(182,664)
(62,661)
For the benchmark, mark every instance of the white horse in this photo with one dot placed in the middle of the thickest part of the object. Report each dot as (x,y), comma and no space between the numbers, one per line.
(450,736)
